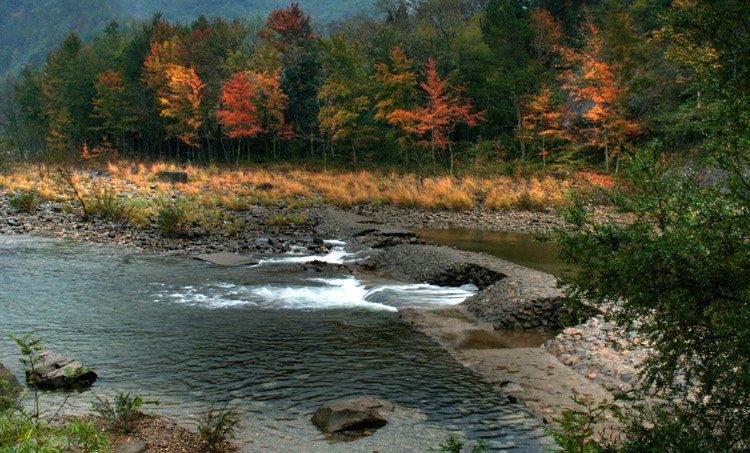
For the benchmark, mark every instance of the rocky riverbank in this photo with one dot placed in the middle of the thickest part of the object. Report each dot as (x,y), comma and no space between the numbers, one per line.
(588,360)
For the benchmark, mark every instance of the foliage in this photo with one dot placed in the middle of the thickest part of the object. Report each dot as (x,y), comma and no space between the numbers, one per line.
(453,445)
(678,268)
(576,433)
(24,201)
(123,413)
(175,218)
(108,205)
(34,431)
(217,425)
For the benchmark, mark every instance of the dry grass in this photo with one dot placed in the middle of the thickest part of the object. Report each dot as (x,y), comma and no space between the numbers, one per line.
(237,190)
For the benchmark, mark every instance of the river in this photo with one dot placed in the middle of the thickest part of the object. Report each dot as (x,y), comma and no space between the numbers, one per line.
(274,344)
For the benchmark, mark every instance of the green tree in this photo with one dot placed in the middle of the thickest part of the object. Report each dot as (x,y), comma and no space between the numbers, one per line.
(677,269)
(344,95)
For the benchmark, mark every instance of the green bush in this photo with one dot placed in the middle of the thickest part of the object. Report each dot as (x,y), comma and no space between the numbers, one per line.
(123,413)
(24,202)
(216,426)
(107,205)
(175,218)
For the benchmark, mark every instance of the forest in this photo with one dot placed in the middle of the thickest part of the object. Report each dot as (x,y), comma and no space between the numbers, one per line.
(437,84)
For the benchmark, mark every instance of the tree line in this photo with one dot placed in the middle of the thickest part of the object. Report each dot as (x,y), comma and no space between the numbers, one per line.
(423,83)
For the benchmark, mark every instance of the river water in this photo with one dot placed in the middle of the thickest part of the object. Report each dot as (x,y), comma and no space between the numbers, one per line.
(273,343)
(520,248)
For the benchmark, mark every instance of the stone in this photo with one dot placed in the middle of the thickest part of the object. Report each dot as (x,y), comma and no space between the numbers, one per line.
(57,372)
(226,259)
(173,176)
(10,388)
(354,414)
(132,446)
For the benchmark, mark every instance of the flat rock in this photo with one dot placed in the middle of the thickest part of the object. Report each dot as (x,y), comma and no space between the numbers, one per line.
(56,372)
(131,446)
(354,414)
(226,259)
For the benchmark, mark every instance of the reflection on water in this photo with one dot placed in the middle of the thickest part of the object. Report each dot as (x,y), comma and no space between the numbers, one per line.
(275,344)
(519,248)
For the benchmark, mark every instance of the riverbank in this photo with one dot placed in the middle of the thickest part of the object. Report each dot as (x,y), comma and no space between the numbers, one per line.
(511,297)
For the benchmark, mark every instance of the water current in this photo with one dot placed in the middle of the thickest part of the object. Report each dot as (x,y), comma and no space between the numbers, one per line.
(271,342)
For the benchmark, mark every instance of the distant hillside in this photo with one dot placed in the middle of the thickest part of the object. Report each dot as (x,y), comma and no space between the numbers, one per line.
(30,28)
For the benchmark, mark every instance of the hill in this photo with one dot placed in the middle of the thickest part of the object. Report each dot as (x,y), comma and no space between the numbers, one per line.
(31,28)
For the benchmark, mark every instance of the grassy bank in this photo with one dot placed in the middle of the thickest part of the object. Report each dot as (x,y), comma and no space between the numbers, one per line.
(135,192)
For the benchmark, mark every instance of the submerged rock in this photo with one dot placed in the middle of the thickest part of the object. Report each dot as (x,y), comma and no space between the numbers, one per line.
(57,372)
(354,414)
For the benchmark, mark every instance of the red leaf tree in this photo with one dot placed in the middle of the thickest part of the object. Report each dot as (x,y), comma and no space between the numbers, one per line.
(442,111)
(253,104)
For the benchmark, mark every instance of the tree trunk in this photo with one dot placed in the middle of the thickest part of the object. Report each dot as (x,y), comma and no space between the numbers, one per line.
(521,132)
(606,153)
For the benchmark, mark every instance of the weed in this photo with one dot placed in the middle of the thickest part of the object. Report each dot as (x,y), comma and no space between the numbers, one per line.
(216,426)
(453,445)
(175,218)
(300,219)
(123,413)
(278,220)
(25,202)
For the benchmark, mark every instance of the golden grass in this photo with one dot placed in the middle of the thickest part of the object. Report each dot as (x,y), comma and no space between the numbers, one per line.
(236,190)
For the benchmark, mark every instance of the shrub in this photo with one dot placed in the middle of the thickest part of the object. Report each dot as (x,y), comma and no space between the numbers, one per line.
(123,413)
(300,219)
(32,431)
(216,426)
(278,220)
(25,202)
(175,218)
(107,205)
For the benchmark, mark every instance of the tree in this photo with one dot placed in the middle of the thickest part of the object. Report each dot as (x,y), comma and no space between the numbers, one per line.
(254,104)
(678,267)
(437,118)
(182,103)
(506,30)
(289,32)
(344,98)
(394,88)
(601,92)
(111,106)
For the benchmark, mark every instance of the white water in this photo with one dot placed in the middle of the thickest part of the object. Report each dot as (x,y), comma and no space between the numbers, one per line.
(317,294)
(337,255)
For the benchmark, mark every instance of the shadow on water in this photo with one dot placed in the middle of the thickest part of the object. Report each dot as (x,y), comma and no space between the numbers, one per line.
(519,248)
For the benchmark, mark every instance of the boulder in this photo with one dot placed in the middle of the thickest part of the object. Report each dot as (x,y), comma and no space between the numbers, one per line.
(10,388)
(173,176)
(354,414)
(57,372)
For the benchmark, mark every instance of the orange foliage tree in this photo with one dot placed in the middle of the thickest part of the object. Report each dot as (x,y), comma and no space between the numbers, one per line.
(253,103)
(600,90)
(394,88)
(442,111)
(182,103)
(543,118)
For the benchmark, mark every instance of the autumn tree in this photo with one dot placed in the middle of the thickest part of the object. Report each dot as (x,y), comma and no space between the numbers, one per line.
(182,104)
(289,32)
(253,104)
(111,106)
(601,93)
(543,118)
(394,86)
(442,111)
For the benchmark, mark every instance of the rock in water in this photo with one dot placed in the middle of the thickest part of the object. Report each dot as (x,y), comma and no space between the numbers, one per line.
(57,372)
(10,388)
(346,415)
